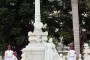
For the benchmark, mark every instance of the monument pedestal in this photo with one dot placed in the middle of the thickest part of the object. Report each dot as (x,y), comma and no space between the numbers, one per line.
(35,50)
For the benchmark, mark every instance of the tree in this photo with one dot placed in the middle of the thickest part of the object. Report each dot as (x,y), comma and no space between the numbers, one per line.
(55,14)
(75,19)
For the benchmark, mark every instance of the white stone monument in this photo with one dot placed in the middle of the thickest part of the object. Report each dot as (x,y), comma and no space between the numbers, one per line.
(35,50)
(86,52)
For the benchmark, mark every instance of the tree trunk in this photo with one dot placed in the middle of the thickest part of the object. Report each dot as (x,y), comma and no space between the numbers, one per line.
(75,16)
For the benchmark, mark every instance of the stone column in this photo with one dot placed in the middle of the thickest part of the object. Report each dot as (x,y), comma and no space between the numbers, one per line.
(35,50)
(75,16)
(37,25)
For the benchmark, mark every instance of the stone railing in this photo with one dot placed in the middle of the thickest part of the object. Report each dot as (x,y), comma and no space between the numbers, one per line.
(63,55)
(86,56)
(63,52)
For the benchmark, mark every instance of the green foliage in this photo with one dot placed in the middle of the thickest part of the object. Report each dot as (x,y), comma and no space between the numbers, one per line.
(15,22)
(53,22)
(84,12)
